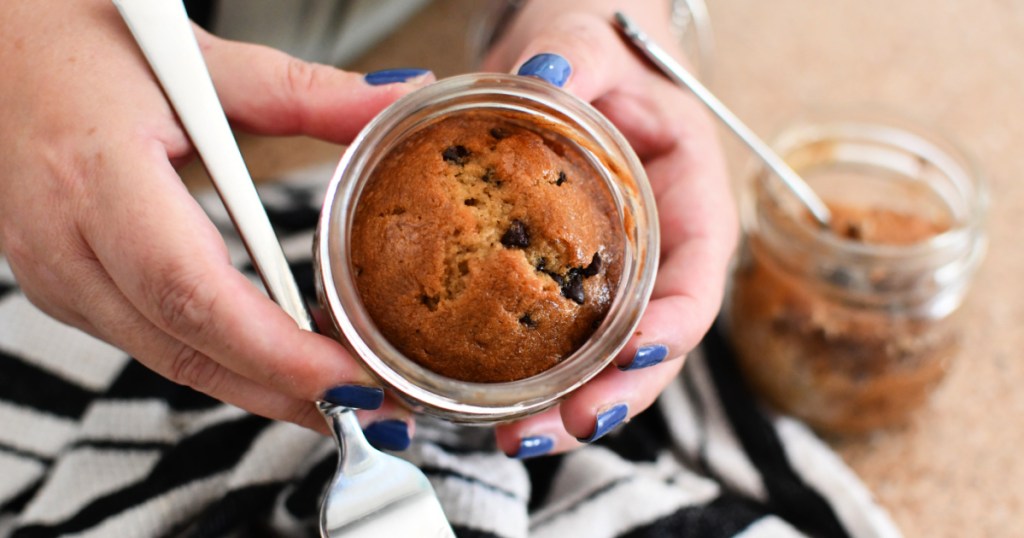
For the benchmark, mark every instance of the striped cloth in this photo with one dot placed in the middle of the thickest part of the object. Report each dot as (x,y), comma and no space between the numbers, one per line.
(93,444)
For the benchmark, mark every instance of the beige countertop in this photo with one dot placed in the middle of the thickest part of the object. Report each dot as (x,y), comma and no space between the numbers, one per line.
(956,65)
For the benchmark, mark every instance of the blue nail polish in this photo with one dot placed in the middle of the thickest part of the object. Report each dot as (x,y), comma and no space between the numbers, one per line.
(647,356)
(537,445)
(392,76)
(550,67)
(355,396)
(388,434)
(606,421)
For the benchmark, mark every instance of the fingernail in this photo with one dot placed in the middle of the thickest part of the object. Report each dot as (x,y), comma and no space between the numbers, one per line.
(537,445)
(388,434)
(647,356)
(355,396)
(606,421)
(393,76)
(550,67)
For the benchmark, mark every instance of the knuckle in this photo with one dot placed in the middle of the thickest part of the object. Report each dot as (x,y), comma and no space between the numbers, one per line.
(586,35)
(191,368)
(185,304)
(301,77)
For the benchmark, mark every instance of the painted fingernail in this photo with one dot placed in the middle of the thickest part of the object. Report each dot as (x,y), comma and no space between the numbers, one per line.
(647,356)
(549,67)
(393,76)
(355,396)
(533,446)
(606,421)
(388,434)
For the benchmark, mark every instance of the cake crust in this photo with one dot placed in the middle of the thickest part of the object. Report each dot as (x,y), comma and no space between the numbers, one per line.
(485,250)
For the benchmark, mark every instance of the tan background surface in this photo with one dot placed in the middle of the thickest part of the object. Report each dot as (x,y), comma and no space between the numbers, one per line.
(956,65)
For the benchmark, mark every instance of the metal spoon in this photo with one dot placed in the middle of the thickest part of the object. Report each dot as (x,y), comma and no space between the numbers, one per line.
(372,493)
(678,74)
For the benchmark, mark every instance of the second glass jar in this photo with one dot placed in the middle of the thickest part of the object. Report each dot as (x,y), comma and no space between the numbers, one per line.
(850,329)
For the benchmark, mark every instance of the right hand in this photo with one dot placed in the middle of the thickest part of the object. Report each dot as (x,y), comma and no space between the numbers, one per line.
(100,231)
(675,139)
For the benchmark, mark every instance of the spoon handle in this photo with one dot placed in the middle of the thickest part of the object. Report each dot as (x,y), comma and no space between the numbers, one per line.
(164,33)
(678,74)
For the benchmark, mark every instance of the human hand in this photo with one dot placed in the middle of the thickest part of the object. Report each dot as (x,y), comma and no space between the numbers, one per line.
(101,233)
(573,44)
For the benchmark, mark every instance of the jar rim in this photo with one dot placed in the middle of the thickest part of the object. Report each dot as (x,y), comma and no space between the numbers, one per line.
(928,277)
(424,389)
(940,153)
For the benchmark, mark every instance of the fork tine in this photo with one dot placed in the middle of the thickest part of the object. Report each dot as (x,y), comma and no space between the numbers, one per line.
(418,515)
(374,494)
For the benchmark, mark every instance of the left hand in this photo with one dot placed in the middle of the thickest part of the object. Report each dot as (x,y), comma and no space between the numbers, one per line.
(676,141)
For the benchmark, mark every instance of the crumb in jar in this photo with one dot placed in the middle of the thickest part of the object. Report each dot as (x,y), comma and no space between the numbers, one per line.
(842,367)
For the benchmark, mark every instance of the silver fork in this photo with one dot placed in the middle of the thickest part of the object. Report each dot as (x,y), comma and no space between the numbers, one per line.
(372,493)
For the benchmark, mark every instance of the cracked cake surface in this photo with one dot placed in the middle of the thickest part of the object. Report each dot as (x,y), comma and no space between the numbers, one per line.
(485,250)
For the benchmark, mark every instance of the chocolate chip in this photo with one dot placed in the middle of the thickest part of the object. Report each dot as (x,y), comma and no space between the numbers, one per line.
(456,154)
(429,301)
(840,276)
(528,322)
(561,179)
(516,236)
(471,202)
(572,286)
(570,283)
(490,176)
(594,267)
(499,132)
(854,231)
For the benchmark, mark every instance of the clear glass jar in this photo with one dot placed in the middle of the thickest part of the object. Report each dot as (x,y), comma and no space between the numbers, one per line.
(850,329)
(547,109)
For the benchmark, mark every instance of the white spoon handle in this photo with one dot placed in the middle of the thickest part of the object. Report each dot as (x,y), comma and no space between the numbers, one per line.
(164,33)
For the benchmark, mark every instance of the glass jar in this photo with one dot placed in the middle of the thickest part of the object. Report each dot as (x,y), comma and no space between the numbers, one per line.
(544,108)
(850,329)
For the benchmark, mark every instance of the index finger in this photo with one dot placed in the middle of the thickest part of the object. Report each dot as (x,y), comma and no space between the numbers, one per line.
(167,258)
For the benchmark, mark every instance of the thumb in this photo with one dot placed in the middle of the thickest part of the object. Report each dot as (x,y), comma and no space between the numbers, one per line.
(266,91)
(580,52)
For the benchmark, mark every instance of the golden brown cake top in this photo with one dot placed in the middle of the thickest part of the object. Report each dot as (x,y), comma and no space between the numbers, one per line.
(484,250)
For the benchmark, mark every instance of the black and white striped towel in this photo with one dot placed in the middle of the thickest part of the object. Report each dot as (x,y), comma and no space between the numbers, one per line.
(93,444)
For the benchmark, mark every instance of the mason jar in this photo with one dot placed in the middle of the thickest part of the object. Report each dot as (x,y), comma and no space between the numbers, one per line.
(851,328)
(540,107)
